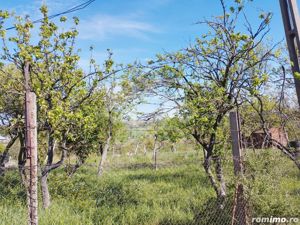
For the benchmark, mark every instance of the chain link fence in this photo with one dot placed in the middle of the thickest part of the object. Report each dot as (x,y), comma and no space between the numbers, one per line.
(171,187)
(133,190)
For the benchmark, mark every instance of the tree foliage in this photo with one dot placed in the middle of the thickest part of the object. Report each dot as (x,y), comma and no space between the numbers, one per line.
(70,101)
(211,77)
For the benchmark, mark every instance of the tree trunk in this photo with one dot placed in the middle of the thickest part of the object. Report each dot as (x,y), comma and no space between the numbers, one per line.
(155,160)
(45,191)
(207,168)
(145,150)
(136,149)
(22,159)
(4,155)
(107,144)
(217,183)
(45,172)
(287,152)
(71,169)
(51,166)
(104,156)
(173,147)
(21,165)
(155,149)
(44,179)
(220,178)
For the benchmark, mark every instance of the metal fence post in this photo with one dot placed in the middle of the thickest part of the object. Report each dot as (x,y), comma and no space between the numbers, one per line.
(291,22)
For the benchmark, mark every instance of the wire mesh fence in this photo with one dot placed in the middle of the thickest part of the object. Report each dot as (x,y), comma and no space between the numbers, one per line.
(133,190)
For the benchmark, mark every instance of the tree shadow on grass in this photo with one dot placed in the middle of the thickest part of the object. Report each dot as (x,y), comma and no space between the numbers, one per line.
(137,166)
(147,165)
(177,177)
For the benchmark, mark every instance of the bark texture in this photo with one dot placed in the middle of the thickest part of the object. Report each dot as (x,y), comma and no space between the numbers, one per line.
(104,156)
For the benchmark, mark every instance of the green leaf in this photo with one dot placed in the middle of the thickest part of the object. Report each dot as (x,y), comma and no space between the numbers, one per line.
(63,19)
(297,75)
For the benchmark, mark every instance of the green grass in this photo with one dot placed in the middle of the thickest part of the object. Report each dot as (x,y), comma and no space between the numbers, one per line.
(131,192)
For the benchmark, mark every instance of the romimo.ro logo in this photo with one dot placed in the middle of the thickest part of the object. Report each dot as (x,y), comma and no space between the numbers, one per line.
(275,220)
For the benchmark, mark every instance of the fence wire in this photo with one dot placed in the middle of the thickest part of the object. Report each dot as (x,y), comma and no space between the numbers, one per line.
(173,189)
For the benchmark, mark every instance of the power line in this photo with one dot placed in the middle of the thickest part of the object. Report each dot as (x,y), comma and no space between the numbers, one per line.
(73,9)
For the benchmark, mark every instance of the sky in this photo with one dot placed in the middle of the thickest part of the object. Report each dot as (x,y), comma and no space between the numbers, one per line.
(139,29)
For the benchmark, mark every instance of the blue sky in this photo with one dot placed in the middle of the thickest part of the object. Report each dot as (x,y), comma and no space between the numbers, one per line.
(138,29)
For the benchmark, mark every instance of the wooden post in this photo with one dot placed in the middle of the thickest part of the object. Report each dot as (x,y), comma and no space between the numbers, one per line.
(239,215)
(155,149)
(31,149)
(291,22)
(236,142)
(155,160)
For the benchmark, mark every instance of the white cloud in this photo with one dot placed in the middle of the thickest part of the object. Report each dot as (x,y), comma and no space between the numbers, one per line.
(99,27)
(108,26)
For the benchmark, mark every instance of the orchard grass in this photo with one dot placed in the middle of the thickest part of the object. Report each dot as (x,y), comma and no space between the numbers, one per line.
(132,192)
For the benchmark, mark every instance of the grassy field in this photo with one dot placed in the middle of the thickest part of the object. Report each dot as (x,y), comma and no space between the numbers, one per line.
(132,192)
